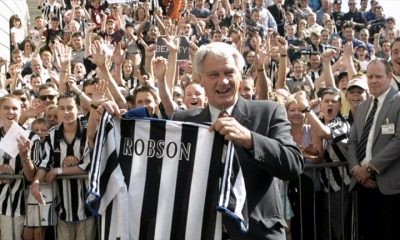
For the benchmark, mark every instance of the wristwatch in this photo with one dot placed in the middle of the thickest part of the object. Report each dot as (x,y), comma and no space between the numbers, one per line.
(306,109)
(59,171)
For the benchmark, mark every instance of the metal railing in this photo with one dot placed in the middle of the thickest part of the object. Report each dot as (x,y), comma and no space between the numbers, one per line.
(52,204)
(301,227)
(321,213)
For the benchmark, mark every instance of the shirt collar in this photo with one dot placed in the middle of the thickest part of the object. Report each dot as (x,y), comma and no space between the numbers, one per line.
(382,97)
(214,112)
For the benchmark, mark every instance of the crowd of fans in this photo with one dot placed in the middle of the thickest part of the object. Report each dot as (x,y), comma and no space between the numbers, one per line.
(81,55)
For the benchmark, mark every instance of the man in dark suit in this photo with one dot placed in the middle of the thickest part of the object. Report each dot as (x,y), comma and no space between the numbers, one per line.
(260,132)
(374,145)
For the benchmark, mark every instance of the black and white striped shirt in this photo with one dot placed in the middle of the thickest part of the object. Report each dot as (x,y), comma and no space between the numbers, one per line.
(335,150)
(12,198)
(159,179)
(72,191)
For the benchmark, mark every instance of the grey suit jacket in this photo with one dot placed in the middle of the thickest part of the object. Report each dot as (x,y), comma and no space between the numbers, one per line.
(385,147)
(274,155)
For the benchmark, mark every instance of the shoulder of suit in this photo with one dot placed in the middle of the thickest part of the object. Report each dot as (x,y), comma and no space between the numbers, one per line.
(184,114)
(260,107)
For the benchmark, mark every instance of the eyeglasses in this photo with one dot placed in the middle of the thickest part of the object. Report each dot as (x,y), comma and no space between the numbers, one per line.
(23,99)
(352,3)
(45,97)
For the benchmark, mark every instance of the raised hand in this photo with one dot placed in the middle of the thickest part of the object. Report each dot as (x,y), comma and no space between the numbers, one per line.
(70,81)
(327,55)
(348,50)
(282,45)
(99,93)
(118,54)
(65,55)
(99,57)
(263,57)
(160,68)
(24,145)
(172,42)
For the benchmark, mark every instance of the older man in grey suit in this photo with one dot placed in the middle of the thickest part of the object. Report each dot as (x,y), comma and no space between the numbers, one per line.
(374,149)
(260,132)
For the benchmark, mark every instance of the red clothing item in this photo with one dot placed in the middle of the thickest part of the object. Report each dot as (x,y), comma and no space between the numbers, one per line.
(173,7)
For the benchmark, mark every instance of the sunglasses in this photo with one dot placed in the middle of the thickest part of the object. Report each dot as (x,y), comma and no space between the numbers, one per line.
(23,99)
(45,97)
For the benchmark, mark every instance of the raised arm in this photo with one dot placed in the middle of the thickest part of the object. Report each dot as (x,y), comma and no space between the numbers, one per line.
(283,62)
(317,126)
(99,59)
(348,59)
(327,73)
(263,84)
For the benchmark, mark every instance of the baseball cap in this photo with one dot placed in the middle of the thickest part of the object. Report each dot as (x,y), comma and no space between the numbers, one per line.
(337,2)
(110,20)
(360,82)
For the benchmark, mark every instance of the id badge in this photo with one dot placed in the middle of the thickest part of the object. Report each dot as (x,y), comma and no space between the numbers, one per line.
(388,128)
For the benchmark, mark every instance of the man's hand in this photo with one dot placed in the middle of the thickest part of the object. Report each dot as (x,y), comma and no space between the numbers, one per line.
(233,131)
(282,45)
(65,56)
(369,183)
(160,68)
(301,98)
(24,145)
(348,50)
(99,57)
(118,54)
(327,55)
(361,174)
(51,175)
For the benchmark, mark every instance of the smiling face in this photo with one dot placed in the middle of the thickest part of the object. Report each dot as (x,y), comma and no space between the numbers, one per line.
(146,99)
(221,79)
(246,88)
(395,56)
(355,95)
(10,111)
(195,96)
(294,114)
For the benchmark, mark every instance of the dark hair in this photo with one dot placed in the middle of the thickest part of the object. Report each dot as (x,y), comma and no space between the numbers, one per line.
(69,94)
(348,24)
(145,88)
(330,90)
(20,92)
(14,17)
(397,39)
(391,19)
(89,82)
(47,86)
(40,121)
(27,40)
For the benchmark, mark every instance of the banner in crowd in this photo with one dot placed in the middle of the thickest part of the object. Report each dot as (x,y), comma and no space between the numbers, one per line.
(183,52)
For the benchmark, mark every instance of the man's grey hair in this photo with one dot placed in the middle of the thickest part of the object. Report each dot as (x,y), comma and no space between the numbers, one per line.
(217,49)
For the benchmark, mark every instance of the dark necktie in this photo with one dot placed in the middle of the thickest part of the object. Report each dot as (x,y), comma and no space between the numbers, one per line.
(362,144)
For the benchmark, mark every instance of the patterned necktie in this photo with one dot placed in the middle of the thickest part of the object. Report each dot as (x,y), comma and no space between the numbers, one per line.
(362,144)
(223,114)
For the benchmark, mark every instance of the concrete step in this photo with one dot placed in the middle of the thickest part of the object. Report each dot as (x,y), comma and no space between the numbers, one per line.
(33,10)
